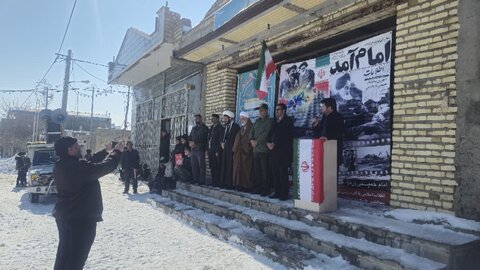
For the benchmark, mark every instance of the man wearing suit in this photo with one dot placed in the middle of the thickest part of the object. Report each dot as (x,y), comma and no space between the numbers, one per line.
(215,136)
(331,127)
(231,129)
(281,147)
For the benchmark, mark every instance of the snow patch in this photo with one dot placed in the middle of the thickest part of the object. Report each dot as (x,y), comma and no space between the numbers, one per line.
(309,217)
(447,220)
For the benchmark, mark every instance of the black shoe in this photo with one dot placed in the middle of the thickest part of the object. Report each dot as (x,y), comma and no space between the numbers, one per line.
(135,192)
(274,196)
(125,192)
(283,198)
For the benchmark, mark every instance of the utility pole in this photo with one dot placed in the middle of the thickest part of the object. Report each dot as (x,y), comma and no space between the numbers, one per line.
(91,111)
(66,80)
(126,114)
(46,97)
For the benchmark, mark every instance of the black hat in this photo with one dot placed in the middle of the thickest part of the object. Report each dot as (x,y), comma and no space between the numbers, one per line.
(215,115)
(290,68)
(342,81)
(185,137)
(198,115)
(61,145)
(263,106)
(21,153)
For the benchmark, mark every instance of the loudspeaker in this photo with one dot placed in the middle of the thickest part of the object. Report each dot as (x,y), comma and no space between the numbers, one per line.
(58,116)
(45,114)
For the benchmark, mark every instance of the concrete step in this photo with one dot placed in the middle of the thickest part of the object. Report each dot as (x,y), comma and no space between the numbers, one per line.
(358,252)
(288,255)
(457,250)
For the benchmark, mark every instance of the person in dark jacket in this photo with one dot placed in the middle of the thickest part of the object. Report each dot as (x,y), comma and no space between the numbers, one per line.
(130,162)
(79,201)
(215,137)
(22,165)
(198,140)
(281,147)
(229,135)
(331,127)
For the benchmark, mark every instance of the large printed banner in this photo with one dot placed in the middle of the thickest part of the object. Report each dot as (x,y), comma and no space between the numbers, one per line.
(247,98)
(358,77)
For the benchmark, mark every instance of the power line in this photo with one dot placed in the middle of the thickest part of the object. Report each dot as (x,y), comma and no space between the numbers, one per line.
(68,25)
(56,57)
(16,90)
(89,62)
(75,62)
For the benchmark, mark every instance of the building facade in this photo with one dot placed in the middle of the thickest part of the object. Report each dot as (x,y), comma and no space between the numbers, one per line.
(424,53)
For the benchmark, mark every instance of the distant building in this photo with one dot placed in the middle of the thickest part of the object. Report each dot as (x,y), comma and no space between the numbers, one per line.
(18,128)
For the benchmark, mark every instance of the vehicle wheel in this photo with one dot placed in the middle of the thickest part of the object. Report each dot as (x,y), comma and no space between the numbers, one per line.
(34,197)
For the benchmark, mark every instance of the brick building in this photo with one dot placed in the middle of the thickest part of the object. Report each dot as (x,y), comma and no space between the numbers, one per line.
(433,77)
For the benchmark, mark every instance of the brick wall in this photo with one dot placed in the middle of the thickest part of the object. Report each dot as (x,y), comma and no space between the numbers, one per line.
(221,90)
(424,105)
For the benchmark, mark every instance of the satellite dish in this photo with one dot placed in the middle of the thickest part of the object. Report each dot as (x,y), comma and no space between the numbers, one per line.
(45,114)
(58,116)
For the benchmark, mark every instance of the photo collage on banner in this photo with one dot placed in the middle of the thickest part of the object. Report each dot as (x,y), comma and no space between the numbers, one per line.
(298,91)
(358,78)
(360,83)
(247,99)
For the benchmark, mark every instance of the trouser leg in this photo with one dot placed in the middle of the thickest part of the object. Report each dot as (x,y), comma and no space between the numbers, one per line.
(201,163)
(128,174)
(195,162)
(75,240)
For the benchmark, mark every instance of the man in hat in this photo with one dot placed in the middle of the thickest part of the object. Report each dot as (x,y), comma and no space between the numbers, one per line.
(306,76)
(231,129)
(291,81)
(215,137)
(259,137)
(198,144)
(79,202)
(243,156)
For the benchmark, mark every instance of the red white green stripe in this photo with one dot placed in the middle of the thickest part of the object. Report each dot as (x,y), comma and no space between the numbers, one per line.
(266,67)
(308,170)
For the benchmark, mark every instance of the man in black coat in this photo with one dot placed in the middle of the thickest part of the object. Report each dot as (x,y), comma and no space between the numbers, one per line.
(198,143)
(215,137)
(79,201)
(331,127)
(22,165)
(130,162)
(281,147)
(229,134)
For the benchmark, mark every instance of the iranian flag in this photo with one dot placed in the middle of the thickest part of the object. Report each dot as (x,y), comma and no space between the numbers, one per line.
(266,67)
(308,170)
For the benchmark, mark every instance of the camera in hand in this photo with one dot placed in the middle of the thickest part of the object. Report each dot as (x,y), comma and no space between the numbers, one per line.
(114,143)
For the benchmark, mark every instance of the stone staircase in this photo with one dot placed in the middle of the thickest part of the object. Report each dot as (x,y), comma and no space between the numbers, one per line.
(298,238)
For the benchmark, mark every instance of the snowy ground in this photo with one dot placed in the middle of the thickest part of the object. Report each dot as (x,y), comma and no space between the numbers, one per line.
(133,235)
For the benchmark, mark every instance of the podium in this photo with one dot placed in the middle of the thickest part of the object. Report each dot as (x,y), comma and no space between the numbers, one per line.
(315,174)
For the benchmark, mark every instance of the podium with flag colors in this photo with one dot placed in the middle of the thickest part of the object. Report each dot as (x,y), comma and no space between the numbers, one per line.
(315,174)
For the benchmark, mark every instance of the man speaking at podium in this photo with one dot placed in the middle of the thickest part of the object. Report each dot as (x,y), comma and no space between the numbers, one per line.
(331,127)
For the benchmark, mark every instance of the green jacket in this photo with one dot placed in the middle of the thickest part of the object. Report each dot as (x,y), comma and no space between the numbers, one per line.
(261,132)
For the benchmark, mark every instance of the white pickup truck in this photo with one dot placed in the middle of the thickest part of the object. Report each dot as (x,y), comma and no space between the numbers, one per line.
(40,175)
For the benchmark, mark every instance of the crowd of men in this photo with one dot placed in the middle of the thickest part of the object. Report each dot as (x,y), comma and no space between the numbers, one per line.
(246,156)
